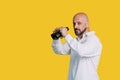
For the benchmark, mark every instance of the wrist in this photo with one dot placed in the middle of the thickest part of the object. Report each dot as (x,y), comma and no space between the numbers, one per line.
(65,35)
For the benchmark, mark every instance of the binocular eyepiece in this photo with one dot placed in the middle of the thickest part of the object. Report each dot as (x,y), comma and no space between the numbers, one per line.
(58,34)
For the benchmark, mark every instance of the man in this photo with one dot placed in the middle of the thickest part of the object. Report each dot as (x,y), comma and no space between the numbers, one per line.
(85,50)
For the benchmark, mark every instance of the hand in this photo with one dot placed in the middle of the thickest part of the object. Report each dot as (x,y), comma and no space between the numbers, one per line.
(63,31)
(56,30)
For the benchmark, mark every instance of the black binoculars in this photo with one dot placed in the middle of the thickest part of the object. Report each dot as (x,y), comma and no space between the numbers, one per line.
(57,34)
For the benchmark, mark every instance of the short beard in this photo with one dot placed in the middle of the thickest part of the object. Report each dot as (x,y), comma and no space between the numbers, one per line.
(81,33)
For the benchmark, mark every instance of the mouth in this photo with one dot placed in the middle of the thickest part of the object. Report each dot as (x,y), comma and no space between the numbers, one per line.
(77,30)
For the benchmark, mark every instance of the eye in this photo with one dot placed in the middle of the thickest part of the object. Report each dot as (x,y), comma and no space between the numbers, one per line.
(79,23)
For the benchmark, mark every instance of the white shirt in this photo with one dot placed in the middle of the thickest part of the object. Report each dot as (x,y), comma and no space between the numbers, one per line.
(85,54)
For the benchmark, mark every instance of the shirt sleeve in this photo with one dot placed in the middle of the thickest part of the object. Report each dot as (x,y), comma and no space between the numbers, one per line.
(91,47)
(60,48)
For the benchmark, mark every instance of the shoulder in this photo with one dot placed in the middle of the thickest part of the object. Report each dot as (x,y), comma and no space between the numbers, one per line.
(93,37)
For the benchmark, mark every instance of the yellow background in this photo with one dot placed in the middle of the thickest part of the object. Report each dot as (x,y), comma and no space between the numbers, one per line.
(25,42)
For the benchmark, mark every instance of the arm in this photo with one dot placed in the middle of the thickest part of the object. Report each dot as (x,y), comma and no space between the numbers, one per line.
(91,47)
(60,48)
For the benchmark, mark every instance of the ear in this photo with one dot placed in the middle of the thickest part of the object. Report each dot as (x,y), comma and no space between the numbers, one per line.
(86,24)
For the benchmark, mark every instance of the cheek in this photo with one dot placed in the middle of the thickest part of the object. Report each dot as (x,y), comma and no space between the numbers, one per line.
(83,27)
(79,27)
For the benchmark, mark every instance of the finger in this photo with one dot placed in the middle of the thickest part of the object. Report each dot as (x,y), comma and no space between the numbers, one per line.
(56,30)
(63,28)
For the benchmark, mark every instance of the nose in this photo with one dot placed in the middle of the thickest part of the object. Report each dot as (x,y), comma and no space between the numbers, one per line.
(75,25)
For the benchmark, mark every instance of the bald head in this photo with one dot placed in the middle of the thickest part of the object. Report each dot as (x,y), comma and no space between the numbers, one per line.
(81,15)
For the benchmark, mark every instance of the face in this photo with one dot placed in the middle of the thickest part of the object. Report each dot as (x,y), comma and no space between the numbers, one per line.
(79,24)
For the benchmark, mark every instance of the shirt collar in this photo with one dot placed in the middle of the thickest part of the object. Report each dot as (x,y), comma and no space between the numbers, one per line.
(85,35)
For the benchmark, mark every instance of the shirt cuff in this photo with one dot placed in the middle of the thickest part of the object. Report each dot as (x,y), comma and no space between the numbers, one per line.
(56,41)
(68,38)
